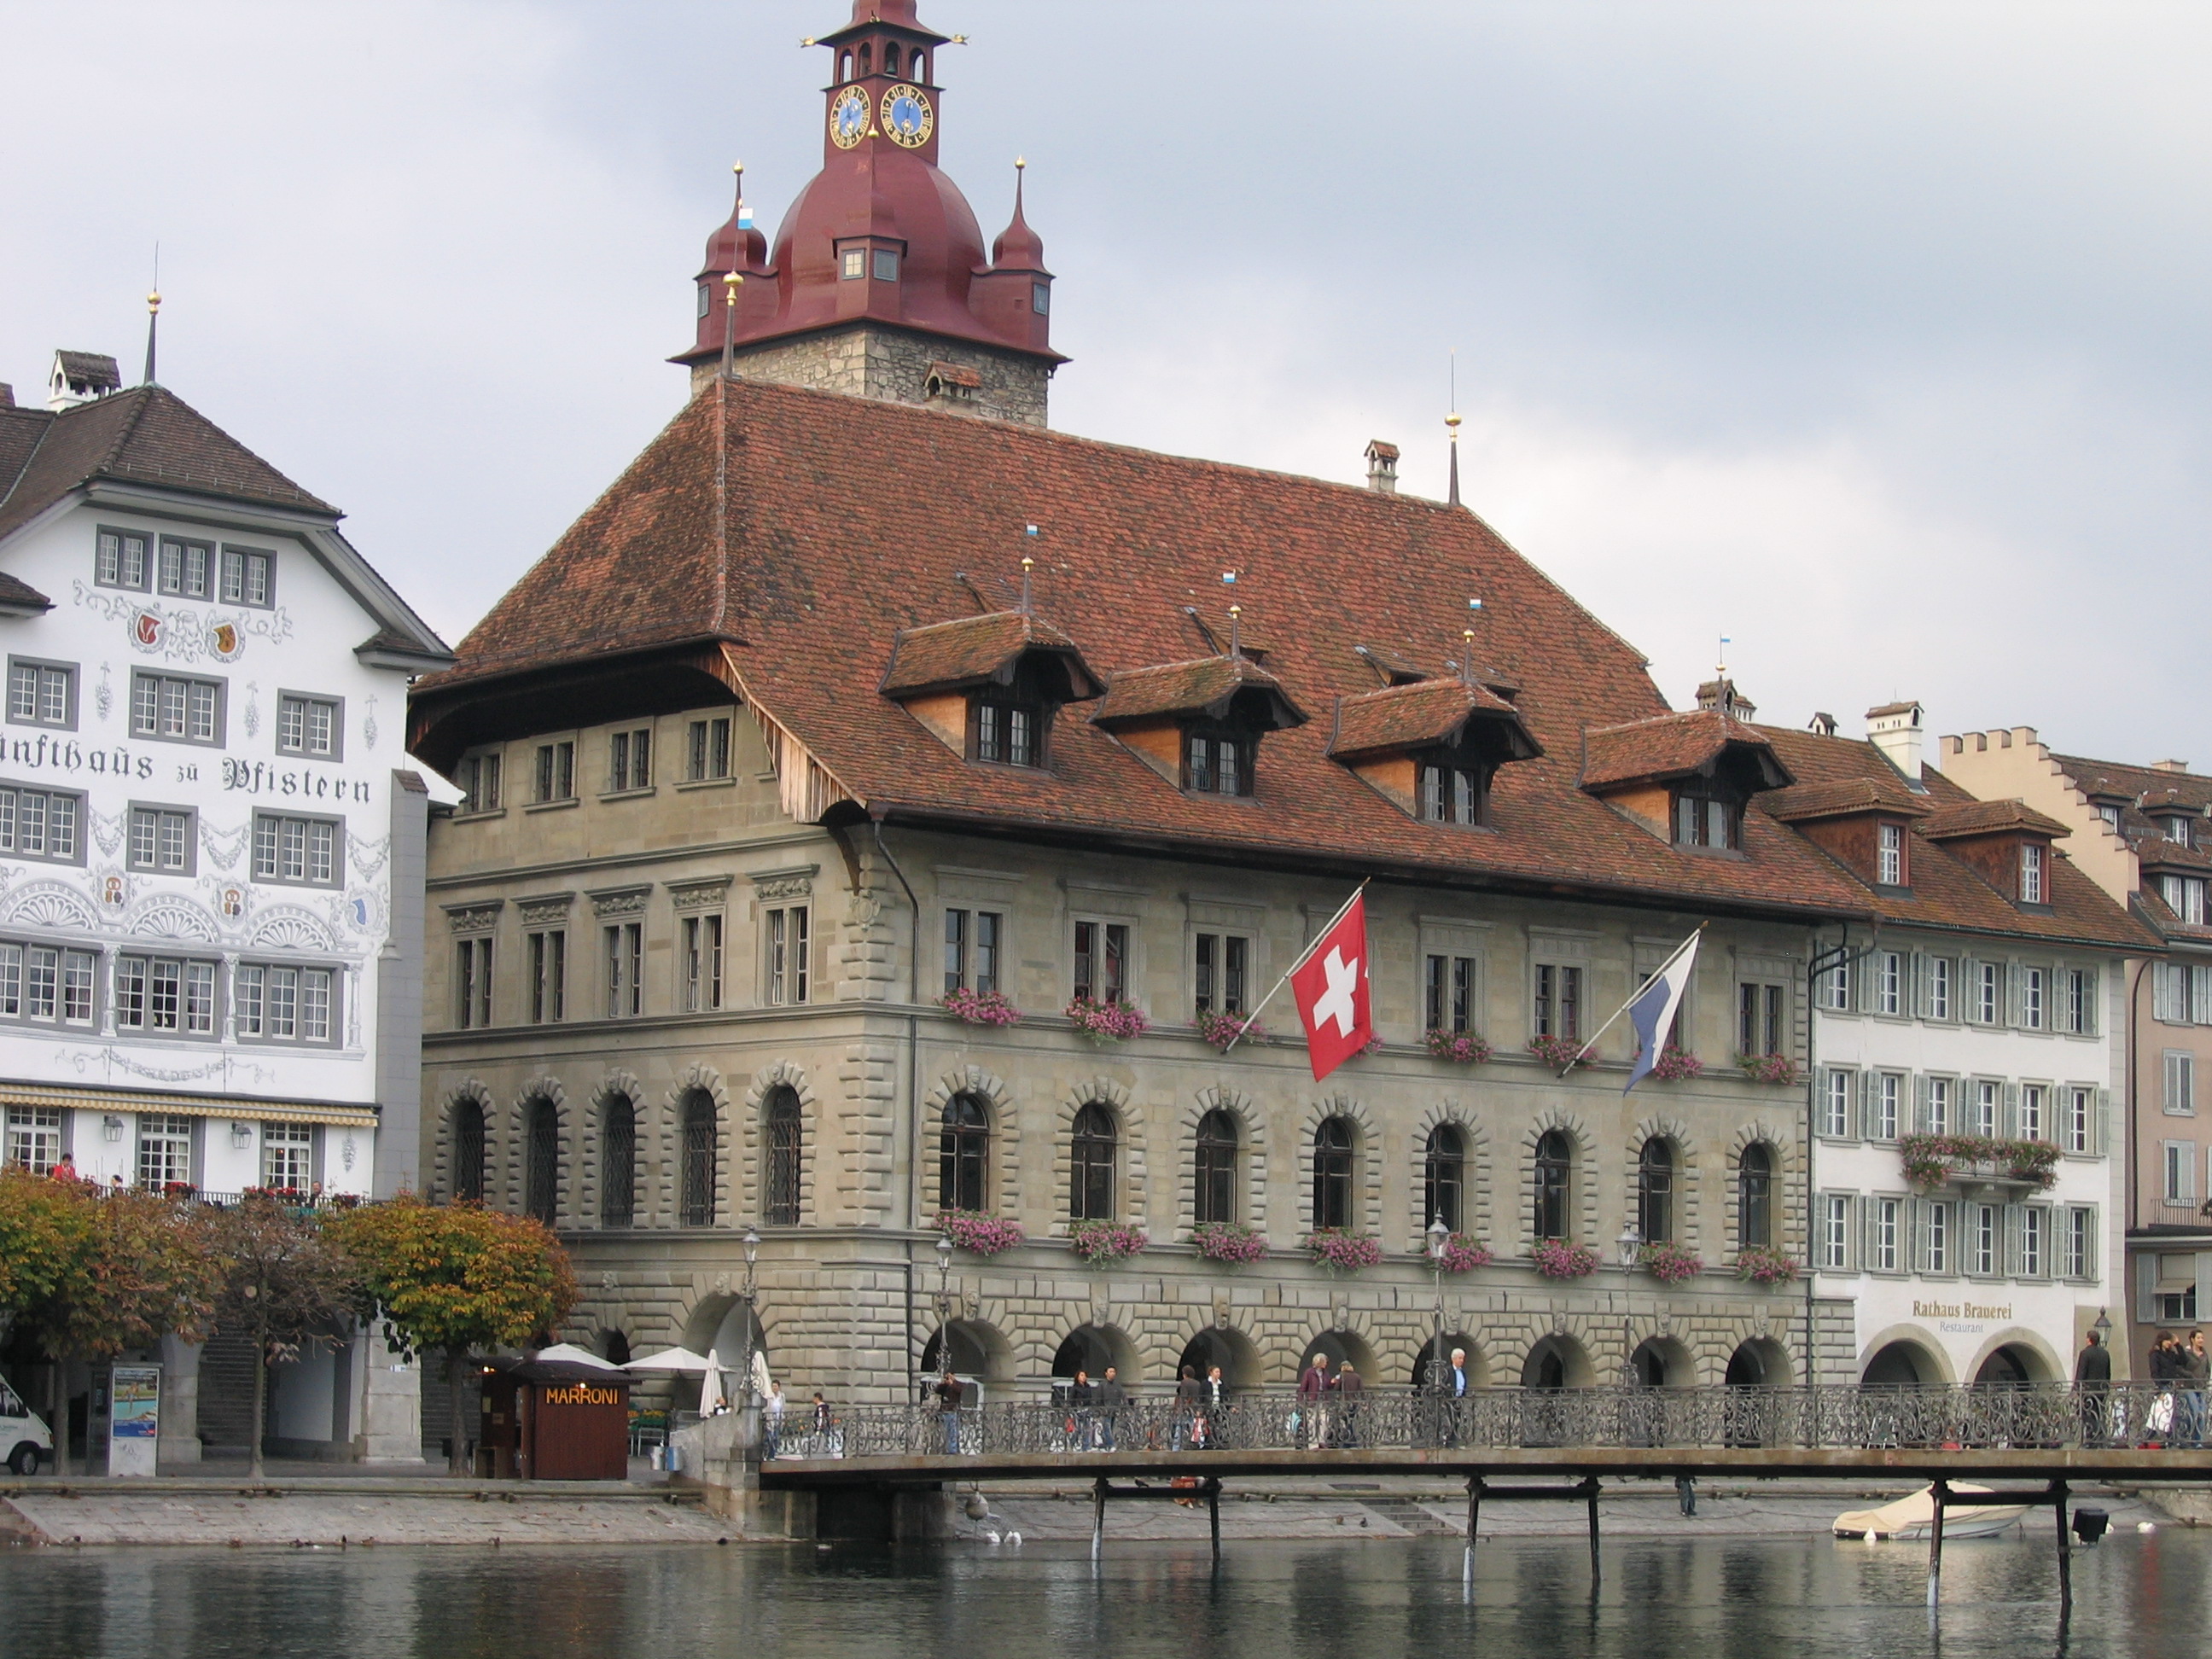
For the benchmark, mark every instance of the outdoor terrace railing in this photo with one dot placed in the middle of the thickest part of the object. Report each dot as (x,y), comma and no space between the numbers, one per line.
(2038,1416)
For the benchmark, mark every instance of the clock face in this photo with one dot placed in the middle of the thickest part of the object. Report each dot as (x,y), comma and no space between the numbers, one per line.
(908,117)
(849,117)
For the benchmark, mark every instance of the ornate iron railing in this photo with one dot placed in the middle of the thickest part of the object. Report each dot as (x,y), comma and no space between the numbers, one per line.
(2046,1416)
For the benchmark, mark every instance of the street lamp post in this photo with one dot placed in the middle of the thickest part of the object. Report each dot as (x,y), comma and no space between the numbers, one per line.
(1439,1236)
(1626,1246)
(752,1307)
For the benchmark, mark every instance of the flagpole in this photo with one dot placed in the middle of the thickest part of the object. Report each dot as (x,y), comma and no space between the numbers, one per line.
(1696,933)
(1295,966)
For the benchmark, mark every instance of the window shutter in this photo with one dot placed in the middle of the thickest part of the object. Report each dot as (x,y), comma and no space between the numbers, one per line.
(1920,989)
(2200,993)
(1863,1211)
(2100,1127)
(2165,981)
(1920,1103)
(1965,990)
(2013,983)
(1867,1124)
(2009,1121)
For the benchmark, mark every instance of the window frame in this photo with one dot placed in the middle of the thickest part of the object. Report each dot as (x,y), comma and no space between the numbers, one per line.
(242,560)
(1007,730)
(622,955)
(553,772)
(472,982)
(974,948)
(630,761)
(147,540)
(702,959)
(243,998)
(160,811)
(159,680)
(211,573)
(1558,995)
(1692,817)
(479,765)
(1108,956)
(1553,1185)
(1220,973)
(1217,1161)
(1202,776)
(135,1006)
(709,749)
(1448,992)
(67,720)
(12,820)
(307,702)
(546,965)
(1093,1164)
(311,822)
(787,954)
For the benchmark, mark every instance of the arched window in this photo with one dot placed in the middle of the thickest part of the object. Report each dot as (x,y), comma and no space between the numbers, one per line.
(1332,1188)
(1213,1193)
(964,1156)
(917,68)
(1091,1165)
(697,1203)
(891,59)
(1754,1198)
(844,66)
(541,1152)
(1654,1191)
(1555,1164)
(867,60)
(1444,1180)
(780,1131)
(469,1152)
(619,1163)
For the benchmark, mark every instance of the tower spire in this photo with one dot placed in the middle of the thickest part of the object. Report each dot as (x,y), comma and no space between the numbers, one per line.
(153,323)
(1451,425)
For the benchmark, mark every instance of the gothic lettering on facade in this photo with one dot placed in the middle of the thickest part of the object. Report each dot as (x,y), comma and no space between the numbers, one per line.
(260,778)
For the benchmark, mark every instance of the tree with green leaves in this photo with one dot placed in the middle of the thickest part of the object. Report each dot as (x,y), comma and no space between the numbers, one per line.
(123,1269)
(45,1225)
(284,1281)
(458,1278)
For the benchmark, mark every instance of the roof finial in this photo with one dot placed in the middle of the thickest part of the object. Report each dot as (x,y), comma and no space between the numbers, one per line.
(731,284)
(1466,640)
(1451,425)
(153,313)
(1028,565)
(1236,645)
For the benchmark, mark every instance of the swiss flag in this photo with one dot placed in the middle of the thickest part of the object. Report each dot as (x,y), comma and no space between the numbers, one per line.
(1331,987)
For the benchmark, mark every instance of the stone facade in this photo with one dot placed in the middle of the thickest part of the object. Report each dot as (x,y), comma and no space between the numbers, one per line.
(848,1296)
(872,359)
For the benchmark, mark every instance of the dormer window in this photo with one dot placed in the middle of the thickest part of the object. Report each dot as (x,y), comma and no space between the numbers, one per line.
(1007,731)
(1451,793)
(2176,825)
(1889,854)
(886,264)
(2184,896)
(1705,820)
(2110,811)
(1218,760)
(2030,873)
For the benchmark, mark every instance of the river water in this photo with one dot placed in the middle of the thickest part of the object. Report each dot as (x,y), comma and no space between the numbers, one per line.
(1781,1598)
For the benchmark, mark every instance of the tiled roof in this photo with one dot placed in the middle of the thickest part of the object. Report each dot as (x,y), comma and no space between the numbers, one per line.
(14,591)
(973,649)
(1989,818)
(146,435)
(1946,890)
(1670,746)
(848,521)
(1202,687)
(1423,715)
(1842,797)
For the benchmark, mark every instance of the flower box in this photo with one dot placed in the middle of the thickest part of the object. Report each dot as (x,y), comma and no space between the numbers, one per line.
(979,1008)
(1931,1160)
(1557,1259)
(979,1233)
(1559,1054)
(1761,1265)
(1226,1241)
(1671,1264)
(1675,1065)
(1107,1022)
(1778,1069)
(1463,1255)
(1342,1252)
(1222,1030)
(1460,1048)
(1103,1242)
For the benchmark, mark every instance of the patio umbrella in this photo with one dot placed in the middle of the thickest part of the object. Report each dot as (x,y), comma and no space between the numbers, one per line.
(669,1360)
(712,1398)
(567,1353)
(760,1376)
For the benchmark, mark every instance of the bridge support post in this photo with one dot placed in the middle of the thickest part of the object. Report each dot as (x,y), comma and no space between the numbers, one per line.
(1213,1515)
(2065,1549)
(1589,1492)
(1097,1518)
(1473,1518)
(1941,1492)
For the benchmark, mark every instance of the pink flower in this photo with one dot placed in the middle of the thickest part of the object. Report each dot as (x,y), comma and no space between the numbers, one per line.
(1559,1054)
(1670,1263)
(1463,1255)
(1102,1242)
(977,1233)
(1341,1251)
(1107,1022)
(979,1008)
(1460,1048)
(1222,1030)
(1771,1068)
(1676,1065)
(1226,1241)
(1557,1259)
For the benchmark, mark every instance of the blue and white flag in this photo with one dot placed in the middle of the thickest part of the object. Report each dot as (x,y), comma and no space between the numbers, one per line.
(1651,1010)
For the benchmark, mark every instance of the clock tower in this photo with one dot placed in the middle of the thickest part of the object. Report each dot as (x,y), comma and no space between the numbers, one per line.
(877,284)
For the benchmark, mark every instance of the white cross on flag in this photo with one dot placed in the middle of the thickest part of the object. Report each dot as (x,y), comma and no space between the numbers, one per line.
(1330,984)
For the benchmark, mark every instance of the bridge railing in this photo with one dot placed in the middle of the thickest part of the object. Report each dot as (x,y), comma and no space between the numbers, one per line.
(2013,1416)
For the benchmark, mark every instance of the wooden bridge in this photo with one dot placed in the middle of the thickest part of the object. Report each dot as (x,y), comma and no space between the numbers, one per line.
(2036,1442)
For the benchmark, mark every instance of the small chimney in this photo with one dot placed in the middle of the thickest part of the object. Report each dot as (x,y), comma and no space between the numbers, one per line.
(1894,728)
(2169,766)
(1722,695)
(79,377)
(7,395)
(1383,467)
(1823,726)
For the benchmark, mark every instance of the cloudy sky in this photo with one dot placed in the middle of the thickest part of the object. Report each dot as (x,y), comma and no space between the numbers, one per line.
(1871,336)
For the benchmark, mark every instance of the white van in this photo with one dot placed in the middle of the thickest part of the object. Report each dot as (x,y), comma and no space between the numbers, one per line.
(24,1435)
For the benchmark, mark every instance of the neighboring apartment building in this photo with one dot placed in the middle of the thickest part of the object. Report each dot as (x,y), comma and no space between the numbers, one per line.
(2140,832)
(1988,1004)
(210,849)
(835,707)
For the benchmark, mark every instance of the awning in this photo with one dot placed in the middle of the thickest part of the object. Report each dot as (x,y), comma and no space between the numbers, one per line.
(669,1360)
(226,1106)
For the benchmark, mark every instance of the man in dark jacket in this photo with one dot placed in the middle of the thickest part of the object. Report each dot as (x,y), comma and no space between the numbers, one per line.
(2093,1382)
(1112,1396)
(949,1393)
(2189,1375)
(1350,1385)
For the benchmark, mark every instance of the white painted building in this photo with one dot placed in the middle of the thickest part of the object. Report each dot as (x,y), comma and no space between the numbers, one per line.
(1988,1004)
(210,843)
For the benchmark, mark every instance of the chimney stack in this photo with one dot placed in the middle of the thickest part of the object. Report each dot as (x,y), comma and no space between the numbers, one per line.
(7,395)
(1895,728)
(1383,467)
(78,377)
(2169,766)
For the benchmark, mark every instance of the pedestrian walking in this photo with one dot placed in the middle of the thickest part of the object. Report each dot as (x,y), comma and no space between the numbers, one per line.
(1112,1396)
(1189,1393)
(1312,1411)
(1454,1391)
(1214,1410)
(1685,1493)
(1080,1397)
(1350,1385)
(772,1421)
(949,1396)
(2092,1387)
(2192,1366)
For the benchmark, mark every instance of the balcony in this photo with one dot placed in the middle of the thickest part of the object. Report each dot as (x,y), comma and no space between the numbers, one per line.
(1979,1168)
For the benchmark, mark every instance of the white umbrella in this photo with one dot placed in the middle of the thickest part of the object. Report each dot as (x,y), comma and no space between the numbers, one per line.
(761,1380)
(669,1360)
(712,1398)
(567,1353)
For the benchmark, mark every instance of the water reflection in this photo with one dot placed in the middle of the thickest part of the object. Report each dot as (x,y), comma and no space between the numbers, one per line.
(1662,1599)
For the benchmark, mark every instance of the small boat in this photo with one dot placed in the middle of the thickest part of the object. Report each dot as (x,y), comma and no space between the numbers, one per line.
(1913,1515)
